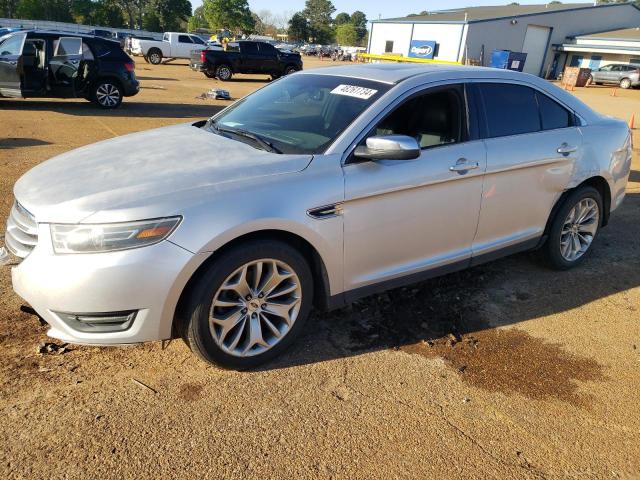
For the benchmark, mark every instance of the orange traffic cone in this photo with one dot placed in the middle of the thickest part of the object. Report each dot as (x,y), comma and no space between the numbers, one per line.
(632,121)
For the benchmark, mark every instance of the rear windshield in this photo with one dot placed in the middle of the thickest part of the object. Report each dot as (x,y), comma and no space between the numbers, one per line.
(302,113)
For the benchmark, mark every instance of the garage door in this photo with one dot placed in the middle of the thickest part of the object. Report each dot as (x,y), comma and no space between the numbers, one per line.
(535,45)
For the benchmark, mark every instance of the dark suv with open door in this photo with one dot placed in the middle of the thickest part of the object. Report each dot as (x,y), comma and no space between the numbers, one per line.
(38,63)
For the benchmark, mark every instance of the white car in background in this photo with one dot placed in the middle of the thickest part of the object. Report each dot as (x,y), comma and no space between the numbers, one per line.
(173,45)
(319,188)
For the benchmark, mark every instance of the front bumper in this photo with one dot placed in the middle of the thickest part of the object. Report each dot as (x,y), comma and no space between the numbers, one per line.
(146,280)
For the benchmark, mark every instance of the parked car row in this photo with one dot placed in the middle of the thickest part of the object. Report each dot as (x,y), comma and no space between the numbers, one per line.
(37,63)
(245,57)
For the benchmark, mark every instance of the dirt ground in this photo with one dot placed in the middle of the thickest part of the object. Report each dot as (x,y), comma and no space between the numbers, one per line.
(506,370)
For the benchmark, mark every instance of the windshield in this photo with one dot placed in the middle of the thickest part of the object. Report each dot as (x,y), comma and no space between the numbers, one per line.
(300,114)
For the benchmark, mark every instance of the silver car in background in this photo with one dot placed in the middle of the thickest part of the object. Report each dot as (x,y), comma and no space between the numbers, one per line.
(317,189)
(627,76)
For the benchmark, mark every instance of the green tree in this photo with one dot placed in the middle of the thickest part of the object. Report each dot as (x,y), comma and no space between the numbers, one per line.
(198,19)
(342,18)
(359,21)
(233,15)
(298,28)
(55,10)
(9,8)
(172,14)
(346,34)
(319,13)
(108,14)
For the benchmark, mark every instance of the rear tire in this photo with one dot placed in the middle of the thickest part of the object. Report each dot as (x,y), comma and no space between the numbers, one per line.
(574,229)
(155,56)
(244,298)
(224,73)
(107,94)
(625,83)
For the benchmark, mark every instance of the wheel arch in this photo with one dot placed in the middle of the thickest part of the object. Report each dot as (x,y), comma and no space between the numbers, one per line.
(597,182)
(316,263)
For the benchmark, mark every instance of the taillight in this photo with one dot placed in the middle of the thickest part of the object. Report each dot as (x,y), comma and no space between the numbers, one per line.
(203,56)
(129,66)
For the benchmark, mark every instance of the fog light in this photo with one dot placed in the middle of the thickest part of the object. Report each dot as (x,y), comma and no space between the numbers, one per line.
(98,322)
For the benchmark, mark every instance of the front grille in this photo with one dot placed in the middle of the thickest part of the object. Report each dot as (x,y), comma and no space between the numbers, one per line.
(22,232)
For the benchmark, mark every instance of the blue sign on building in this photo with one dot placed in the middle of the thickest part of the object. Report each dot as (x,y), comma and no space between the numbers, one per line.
(422,49)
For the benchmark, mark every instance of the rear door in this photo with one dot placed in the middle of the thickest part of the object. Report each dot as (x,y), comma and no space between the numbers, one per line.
(532,146)
(65,65)
(10,52)
(250,59)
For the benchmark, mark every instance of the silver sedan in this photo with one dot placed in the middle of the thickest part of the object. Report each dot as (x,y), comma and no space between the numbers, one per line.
(317,189)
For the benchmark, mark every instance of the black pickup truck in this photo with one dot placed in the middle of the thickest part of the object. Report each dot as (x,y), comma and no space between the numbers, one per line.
(245,57)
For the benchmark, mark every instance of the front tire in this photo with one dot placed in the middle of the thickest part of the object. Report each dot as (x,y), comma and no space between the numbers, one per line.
(249,305)
(107,94)
(224,73)
(574,229)
(290,69)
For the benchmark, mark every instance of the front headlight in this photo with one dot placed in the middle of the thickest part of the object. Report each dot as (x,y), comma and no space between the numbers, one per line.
(111,236)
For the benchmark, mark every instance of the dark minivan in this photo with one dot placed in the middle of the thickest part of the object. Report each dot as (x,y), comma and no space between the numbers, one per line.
(38,63)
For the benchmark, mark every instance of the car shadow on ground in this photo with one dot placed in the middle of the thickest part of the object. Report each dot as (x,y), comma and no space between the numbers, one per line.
(141,77)
(7,143)
(460,308)
(128,109)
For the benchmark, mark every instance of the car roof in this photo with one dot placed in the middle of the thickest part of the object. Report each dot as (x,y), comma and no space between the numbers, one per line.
(59,33)
(393,73)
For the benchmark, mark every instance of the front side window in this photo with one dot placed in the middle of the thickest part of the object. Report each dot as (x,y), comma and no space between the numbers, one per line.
(184,39)
(433,119)
(267,49)
(197,40)
(249,48)
(509,109)
(301,114)
(12,45)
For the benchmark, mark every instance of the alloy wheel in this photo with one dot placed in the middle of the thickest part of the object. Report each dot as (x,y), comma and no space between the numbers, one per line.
(255,307)
(224,73)
(579,229)
(107,95)
(625,83)
(155,58)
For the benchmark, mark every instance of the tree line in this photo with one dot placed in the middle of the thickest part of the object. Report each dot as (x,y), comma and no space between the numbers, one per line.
(315,23)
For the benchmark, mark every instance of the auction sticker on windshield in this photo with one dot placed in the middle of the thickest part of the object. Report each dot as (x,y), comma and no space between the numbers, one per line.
(354,91)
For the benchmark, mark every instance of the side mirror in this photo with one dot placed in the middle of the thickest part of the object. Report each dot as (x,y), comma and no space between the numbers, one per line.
(389,147)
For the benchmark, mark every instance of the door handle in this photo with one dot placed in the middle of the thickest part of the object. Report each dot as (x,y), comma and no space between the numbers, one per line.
(463,165)
(566,149)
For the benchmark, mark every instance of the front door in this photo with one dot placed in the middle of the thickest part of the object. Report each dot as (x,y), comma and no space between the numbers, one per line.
(404,217)
(250,57)
(10,52)
(64,66)
(268,59)
(532,146)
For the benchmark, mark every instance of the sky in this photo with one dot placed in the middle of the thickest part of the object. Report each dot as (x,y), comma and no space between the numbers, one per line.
(375,9)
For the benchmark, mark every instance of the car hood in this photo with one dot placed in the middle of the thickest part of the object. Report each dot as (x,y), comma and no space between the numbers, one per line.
(165,166)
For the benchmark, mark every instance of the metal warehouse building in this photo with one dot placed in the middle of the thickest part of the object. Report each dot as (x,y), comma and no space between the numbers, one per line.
(473,33)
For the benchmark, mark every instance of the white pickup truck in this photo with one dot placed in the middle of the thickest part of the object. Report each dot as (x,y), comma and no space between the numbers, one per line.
(173,45)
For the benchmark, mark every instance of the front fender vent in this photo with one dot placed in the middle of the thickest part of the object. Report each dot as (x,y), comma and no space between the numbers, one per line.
(326,211)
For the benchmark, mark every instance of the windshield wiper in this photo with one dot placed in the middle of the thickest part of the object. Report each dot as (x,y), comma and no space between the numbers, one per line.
(266,144)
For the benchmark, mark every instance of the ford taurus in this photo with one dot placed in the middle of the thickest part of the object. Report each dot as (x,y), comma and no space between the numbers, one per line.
(317,189)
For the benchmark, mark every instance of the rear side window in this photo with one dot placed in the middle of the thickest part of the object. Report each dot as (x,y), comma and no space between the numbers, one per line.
(552,114)
(510,109)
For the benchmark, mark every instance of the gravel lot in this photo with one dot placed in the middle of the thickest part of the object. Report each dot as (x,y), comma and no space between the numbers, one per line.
(504,370)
